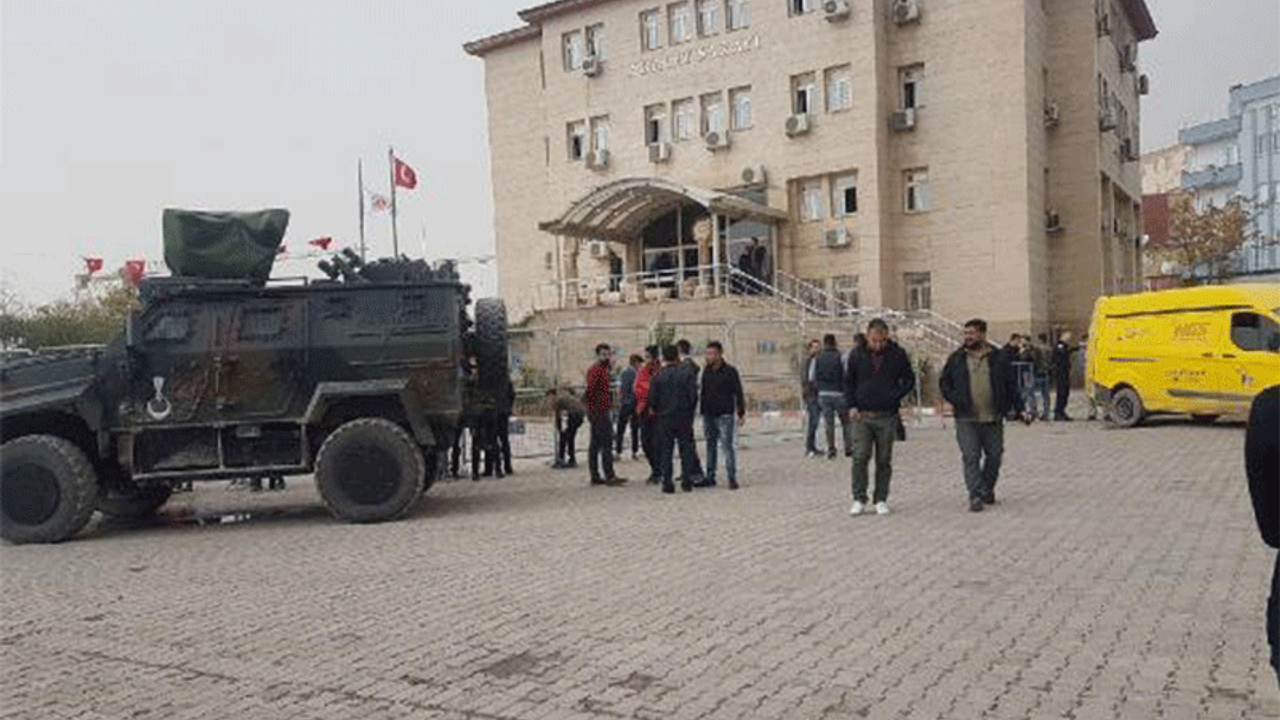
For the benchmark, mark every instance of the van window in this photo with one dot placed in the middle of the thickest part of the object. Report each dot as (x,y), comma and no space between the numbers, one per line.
(1251,331)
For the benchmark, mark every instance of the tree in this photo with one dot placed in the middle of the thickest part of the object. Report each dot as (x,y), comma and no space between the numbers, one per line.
(1203,245)
(64,322)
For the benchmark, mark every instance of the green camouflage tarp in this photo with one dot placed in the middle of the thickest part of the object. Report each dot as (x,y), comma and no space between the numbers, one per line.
(223,245)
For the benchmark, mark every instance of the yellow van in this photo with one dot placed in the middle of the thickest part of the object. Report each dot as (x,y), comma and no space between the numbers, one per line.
(1205,351)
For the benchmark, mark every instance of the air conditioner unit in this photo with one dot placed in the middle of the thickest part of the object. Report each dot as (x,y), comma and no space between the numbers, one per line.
(839,238)
(1052,223)
(1129,150)
(836,10)
(903,120)
(1107,120)
(598,159)
(717,140)
(1144,85)
(1129,58)
(1052,114)
(797,125)
(906,11)
(659,152)
(1104,25)
(592,66)
(753,175)
(598,249)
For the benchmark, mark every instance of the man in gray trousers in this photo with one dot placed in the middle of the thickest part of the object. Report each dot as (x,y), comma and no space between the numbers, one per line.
(879,376)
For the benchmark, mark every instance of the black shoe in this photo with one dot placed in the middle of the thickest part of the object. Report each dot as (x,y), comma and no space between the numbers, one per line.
(848,453)
(1061,418)
(508,471)
(475,477)
(831,455)
(668,488)
(975,505)
(989,499)
(615,481)
(653,480)
(733,485)
(571,464)
(686,485)
(599,481)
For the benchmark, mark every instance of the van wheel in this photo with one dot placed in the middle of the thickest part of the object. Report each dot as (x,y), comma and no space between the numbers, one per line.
(369,470)
(1201,419)
(1126,407)
(48,489)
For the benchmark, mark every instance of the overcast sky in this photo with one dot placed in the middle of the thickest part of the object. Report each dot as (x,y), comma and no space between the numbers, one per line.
(111,110)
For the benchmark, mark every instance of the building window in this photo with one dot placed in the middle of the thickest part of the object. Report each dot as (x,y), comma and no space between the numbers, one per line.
(708,17)
(683,119)
(1260,145)
(740,101)
(918,290)
(548,261)
(737,14)
(804,93)
(680,18)
(571,42)
(844,288)
(811,205)
(595,41)
(651,29)
(844,195)
(600,132)
(712,113)
(800,7)
(911,81)
(917,190)
(655,117)
(1233,154)
(766,347)
(839,82)
(576,134)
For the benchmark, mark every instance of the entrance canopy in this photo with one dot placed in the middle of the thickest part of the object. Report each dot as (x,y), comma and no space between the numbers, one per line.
(620,210)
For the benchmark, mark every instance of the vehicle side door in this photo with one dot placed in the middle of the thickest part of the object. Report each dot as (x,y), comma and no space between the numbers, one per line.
(1250,357)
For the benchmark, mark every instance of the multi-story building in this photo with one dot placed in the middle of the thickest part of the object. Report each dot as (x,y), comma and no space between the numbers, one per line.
(1239,157)
(973,157)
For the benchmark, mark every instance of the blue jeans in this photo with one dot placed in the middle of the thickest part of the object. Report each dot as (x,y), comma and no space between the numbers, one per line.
(833,409)
(722,434)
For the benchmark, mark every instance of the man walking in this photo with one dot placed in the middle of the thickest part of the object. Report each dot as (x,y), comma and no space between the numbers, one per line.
(723,409)
(599,399)
(827,372)
(1262,465)
(672,400)
(878,378)
(627,404)
(982,388)
(648,421)
(568,411)
(1062,375)
(809,394)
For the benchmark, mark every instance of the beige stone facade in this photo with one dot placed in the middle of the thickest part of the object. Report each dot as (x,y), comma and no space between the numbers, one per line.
(1005,199)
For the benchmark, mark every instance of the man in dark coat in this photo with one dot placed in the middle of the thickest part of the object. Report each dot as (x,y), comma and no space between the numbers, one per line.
(982,388)
(672,401)
(627,404)
(1262,464)
(689,375)
(1062,352)
(809,394)
(827,372)
(879,377)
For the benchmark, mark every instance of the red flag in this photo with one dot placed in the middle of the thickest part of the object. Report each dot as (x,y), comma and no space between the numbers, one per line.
(379,203)
(93,264)
(405,176)
(282,249)
(321,242)
(134,271)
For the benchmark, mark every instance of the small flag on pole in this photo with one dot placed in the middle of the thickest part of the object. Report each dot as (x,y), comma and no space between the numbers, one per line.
(404,175)
(379,203)
(93,264)
(134,271)
(321,242)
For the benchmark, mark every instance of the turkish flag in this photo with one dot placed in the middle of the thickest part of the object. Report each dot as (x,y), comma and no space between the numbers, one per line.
(321,242)
(93,264)
(134,270)
(405,176)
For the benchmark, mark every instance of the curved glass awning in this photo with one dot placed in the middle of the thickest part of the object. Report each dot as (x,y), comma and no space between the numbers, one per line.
(620,210)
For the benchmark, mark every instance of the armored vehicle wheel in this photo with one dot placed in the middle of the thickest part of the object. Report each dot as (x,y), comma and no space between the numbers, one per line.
(1126,407)
(491,342)
(369,470)
(48,489)
(134,501)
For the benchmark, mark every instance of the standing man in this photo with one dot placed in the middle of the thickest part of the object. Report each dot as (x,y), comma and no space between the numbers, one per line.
(648,422)
(1041,357)
(809,393)
(569,411)
(827,372)
(689,376)
(671,401)
(1062,375)
(879,377)
(723,409)
(982,388)
(599,401)
(505,405)
(627,404)
(1262,465)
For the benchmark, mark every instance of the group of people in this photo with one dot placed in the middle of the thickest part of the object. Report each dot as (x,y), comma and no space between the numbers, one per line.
(1040,366)
(489,427)
(659,397)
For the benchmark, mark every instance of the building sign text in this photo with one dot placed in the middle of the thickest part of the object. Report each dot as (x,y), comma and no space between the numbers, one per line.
(695,55)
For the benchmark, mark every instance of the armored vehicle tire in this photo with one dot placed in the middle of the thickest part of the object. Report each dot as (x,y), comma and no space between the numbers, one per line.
(48,489)
(1126,407)
(134,501)
(491,342)
(369,470)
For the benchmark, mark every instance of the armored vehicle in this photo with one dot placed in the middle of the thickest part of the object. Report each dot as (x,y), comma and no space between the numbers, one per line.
(358,378)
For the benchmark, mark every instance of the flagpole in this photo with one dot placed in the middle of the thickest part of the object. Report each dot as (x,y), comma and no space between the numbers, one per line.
(360,183)
(395,239)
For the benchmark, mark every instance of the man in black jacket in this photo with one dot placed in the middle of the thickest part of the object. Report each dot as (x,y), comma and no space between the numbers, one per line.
(827,372)
(689,374)
(723,408)
(627,404)
(1262,464)
(982,388)
(1062,375)
(673,401)
(879,376)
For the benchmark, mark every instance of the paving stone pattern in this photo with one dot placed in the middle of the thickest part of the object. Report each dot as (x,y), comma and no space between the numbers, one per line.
(1121,576)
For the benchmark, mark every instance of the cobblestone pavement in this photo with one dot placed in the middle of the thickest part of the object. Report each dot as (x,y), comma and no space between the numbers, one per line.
(1121,576)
